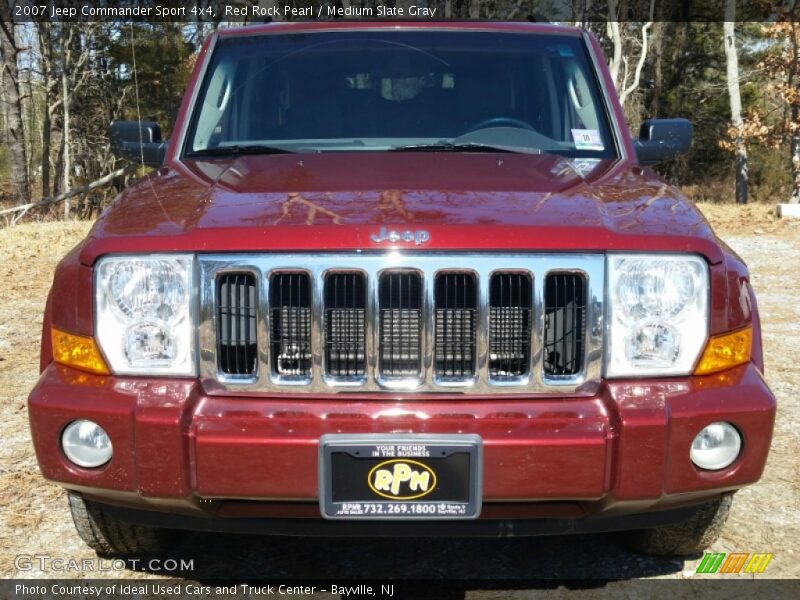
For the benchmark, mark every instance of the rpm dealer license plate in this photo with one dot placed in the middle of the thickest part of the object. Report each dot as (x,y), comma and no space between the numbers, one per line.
(400,477)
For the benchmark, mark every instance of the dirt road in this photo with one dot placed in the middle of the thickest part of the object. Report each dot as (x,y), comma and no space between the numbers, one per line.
(765,517)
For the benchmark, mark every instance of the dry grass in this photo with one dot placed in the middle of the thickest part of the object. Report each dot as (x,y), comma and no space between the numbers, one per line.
(41,243)
(750,218)
(30,253)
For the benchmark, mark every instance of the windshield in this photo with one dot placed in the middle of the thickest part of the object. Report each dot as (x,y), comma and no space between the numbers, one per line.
(400,90)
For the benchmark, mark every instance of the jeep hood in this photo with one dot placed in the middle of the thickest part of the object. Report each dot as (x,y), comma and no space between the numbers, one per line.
(337,201)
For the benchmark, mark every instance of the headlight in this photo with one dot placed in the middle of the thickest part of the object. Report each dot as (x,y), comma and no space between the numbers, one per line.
(658,314)
(144,317)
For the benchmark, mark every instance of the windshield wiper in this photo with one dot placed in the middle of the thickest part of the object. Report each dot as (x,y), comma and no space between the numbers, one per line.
(240,149)
(466,147)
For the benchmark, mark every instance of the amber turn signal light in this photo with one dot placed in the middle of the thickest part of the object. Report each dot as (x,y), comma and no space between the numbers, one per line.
(726,351)
(77,351)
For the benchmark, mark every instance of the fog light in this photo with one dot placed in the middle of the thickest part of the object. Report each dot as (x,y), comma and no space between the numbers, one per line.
(716,446)
(86,444)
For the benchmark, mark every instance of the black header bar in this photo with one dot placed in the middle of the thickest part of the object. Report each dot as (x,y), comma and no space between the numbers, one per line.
(240,12)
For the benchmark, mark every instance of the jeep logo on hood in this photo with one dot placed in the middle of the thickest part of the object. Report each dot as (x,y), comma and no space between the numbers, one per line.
(400,479)
(419,237)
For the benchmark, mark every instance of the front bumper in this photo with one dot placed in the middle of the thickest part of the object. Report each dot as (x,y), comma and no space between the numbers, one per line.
(227,460)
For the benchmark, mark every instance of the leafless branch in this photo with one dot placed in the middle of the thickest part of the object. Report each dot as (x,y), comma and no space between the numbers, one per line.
(105,180)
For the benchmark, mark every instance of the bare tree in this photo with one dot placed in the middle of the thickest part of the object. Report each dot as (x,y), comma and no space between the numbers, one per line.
(732,70)
(782,67)
(67,139)
(474,9)
(50,94)
(794,144)
(76,50)
(614,34)
(657,46)
(620,60)
(13,109)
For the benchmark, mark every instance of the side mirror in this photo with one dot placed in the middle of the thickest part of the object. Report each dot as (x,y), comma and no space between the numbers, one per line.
(132,140)
(662,139)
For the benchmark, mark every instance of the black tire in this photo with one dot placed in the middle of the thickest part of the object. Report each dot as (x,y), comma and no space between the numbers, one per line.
(684,539)
(108,536)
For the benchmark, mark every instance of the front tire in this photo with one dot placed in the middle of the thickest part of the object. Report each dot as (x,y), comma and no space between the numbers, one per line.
(108,536)
(684,539)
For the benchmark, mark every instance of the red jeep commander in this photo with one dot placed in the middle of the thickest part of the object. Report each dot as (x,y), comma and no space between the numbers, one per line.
(401,279)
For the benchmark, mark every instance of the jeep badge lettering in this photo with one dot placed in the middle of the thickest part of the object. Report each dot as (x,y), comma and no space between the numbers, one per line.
(419,237)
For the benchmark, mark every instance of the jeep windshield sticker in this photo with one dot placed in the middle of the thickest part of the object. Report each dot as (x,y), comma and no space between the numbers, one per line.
(587,139)
(584,165)
(565,50)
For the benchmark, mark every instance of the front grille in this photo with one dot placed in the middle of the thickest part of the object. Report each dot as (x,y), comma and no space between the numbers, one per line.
(400,309)
(564,323)
(345,325)
(456,303)
(509,325)
(237,345)
(458,323)
(291,324)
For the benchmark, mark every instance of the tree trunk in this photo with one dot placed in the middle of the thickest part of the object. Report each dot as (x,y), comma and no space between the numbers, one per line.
(658,67)
(475,9)
(67,162)
(681,37)
(58,167)
(626,90)
(11,92)
(794,147)
(732,68)
(794,140)
(30,125)
(613,32)
(46,49)
(47,125)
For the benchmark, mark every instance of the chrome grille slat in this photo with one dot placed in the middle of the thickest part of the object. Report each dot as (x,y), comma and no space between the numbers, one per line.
(325,360)
(290,311)
(510,312)
(400,305)
(345,324)
(455,305)
(236,328)
(565,308)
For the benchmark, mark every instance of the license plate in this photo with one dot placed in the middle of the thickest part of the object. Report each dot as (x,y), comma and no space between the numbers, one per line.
(400,476)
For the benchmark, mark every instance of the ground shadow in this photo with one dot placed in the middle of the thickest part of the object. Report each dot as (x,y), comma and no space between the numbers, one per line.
(467,564)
